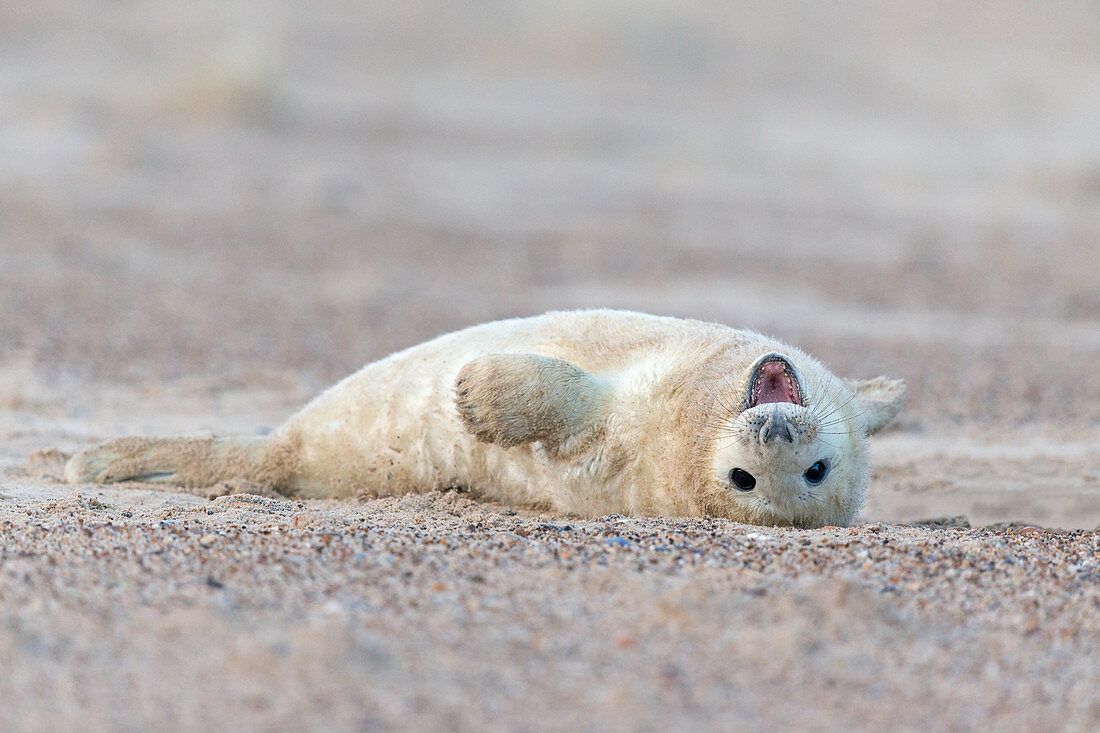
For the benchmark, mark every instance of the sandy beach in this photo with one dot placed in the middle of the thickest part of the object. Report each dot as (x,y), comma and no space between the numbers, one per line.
(208,214)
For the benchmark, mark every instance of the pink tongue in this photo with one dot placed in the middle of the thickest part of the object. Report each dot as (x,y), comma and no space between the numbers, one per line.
(774,384)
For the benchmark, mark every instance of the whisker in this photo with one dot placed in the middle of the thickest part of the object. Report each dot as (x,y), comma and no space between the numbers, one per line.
(730,441)
(706,424)
(833,394)
(731,404)
(831,423)
(837,408)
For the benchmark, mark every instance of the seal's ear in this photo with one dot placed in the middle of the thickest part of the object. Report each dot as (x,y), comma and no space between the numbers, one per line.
(877,401)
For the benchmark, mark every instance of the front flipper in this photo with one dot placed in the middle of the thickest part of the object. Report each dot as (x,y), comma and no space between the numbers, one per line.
(512,399)
(877,400)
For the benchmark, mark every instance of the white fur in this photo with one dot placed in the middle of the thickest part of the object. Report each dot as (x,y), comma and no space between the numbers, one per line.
(591,412)
(393,427)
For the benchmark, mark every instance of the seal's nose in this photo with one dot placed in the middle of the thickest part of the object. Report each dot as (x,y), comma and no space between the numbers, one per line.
(777,427)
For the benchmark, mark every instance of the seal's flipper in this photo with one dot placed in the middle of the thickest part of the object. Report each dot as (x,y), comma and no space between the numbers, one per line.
(512,399)
(194,462)
(877,400)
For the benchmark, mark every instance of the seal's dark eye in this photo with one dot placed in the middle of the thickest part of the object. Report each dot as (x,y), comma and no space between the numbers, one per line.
(742,479)
(816,473)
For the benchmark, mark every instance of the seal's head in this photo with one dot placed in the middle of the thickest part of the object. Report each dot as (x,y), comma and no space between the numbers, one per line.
(793,447)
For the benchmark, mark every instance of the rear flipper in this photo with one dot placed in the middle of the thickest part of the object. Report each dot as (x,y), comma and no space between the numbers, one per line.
(194,462)
(512,399)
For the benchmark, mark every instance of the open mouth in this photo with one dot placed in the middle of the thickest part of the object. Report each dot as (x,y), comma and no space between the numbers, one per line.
(773,380)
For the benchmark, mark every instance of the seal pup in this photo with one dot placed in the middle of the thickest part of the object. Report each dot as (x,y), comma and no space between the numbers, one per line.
(587,412)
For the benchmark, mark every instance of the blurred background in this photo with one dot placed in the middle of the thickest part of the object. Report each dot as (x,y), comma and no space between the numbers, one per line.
(273,193)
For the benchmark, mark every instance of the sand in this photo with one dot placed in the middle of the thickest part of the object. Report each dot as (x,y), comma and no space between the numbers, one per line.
(209,214)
